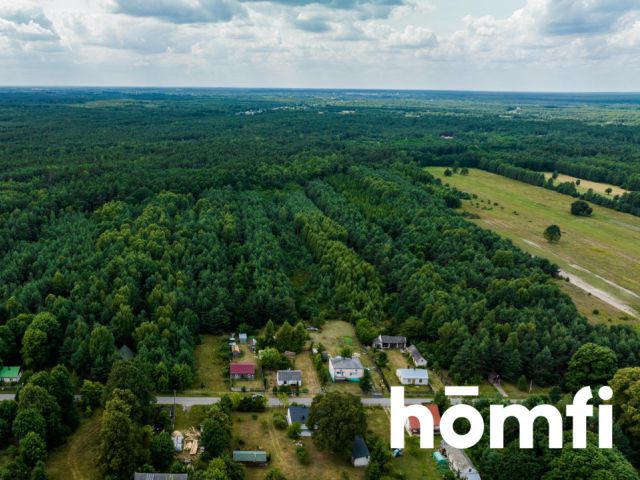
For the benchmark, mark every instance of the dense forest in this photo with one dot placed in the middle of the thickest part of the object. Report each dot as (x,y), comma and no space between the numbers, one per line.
(146,218)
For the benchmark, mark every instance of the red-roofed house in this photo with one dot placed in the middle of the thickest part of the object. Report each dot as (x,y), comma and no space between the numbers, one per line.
(242,371)
(412,425)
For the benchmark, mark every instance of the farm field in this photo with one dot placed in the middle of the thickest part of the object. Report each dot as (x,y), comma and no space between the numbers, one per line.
(77,458)
(602,253)
(585,185)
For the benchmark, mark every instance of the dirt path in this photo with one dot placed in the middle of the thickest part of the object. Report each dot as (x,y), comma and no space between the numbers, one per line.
(601,294)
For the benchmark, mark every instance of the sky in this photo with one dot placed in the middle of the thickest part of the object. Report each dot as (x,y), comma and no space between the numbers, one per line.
(500,45)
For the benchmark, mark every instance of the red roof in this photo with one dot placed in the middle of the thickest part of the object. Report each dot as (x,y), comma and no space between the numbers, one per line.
(414,424)
(242,368)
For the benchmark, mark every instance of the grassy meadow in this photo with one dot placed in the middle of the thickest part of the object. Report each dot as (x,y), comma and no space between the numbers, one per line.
(602,251)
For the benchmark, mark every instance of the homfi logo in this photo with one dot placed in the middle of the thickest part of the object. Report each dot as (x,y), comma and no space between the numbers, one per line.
(579,411)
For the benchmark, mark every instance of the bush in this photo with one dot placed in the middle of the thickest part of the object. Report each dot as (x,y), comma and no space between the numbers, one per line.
(294,430)
(303,456)
(279,421)
(581,209)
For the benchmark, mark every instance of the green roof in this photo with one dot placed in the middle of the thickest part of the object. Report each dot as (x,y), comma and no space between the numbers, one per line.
(249,456)
(9,372)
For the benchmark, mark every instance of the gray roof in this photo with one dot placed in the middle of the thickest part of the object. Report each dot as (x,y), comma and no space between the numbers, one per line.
(299,413)
(160,476)
(360,449)
(290,375)
(257,456)
(346,363)
(460,462)
(391,339)
(125,352)
(412,373)
(415,353)
(242,335)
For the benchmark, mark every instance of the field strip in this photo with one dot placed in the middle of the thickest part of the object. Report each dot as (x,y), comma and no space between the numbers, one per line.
(602,295)
(609,282)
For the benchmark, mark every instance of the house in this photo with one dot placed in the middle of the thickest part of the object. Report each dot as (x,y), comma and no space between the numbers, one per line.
(10,374)
(178,441)
(243,338)
(459,463)
(360,452)
(300,414)
(289,377)
(349,369)
(387,341)
(160,476)
(125,353)
(251,457)
(412,425)
(413,376)
(242,371)
(416,356)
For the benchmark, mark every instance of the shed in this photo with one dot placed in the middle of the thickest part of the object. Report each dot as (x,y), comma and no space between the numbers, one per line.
(416,356)
(125,353)
(242,337)
(440,459)
(178,441)
(360,452)
(250,457)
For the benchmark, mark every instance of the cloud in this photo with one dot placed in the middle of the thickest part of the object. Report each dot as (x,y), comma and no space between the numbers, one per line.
(26,22)
(413,37)
(181,11)
(312,24)
(584,17)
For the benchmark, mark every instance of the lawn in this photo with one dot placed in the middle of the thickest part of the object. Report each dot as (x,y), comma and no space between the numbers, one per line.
(416,463)
(258,433)
(210,369)
(77,458)
(585,185)
(603,251)
(310,380)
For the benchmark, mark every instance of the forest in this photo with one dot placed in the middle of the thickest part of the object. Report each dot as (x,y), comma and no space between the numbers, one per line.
(146,218)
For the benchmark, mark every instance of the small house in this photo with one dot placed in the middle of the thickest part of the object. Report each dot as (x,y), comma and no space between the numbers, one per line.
(349,369)
(251,457)
(289,377)
(242,371)
(300,414)
(388,341)
(413,376)
(416,356)
(160,476)
(243,338)
(412,425)
(10,374)
(360,452)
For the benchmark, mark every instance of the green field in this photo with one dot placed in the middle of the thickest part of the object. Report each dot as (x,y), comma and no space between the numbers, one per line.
(602,251)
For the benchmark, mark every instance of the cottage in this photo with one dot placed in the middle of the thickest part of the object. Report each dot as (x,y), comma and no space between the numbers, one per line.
(416,356)
(10,374)
(160,476)
(349,369)
(388,341)
(413,376)
(243,338)
(300,414)
(289,377)
(242,371)
(360,453)
(251,457)
(460,463)
(412,425)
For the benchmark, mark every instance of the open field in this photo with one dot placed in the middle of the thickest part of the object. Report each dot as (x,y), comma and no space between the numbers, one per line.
(416,464)
(210,370)
(585,185)
(310,382)
(77,458)
(600,254)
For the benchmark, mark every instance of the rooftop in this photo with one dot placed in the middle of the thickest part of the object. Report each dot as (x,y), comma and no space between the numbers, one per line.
(299,413)
(346,363)
(392,339)
(9,372)
(257,456)
(360,449)
(242,368)
(413,373)
(289,375)
(415,353)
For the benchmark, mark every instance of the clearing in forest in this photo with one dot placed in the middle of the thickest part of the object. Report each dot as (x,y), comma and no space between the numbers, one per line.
(601,252)
(585,185)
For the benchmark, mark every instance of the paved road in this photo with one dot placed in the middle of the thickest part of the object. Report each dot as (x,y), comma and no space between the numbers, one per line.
(276,402)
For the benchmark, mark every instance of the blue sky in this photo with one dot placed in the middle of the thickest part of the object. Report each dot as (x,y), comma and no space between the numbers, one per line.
(539,45)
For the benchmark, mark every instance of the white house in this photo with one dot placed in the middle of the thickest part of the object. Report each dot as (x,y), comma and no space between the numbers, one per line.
(349,369)
(416,356)
(289,377)
(300,414)
(360,452)
(413,376)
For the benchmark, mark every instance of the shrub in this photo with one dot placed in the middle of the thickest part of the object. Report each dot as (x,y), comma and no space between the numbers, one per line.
(303,456)
(279,421)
